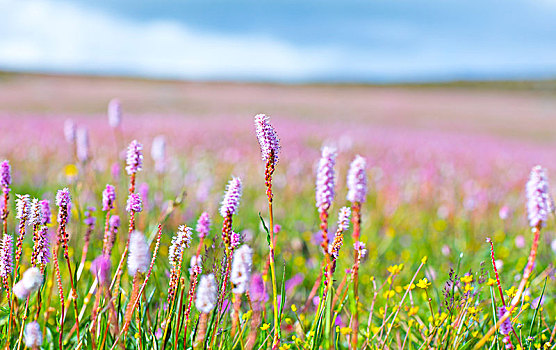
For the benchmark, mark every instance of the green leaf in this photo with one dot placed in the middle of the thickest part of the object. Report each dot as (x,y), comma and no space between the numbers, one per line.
(266,229)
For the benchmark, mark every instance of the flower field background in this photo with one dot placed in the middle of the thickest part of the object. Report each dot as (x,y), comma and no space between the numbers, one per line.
(446,173)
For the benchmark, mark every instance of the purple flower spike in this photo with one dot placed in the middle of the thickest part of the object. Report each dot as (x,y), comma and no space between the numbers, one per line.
(134,203)
(6,256)
(343,218)
(45,211)
(506,326)
(114,222)
(5,174)
(114,113)
(82,144)
(43,246)
(100,268)
(69,131)
(230,202)
(134,159)
(326,179)
(268,140)
(539,200)
(203,225)
(257,291)
(63,198)
(23,207)
(357,180)
(108,198)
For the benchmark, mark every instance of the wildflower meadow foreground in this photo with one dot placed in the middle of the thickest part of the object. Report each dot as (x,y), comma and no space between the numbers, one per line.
(216,246)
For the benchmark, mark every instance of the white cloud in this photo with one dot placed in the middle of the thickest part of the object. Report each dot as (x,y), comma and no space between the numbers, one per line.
(59,36)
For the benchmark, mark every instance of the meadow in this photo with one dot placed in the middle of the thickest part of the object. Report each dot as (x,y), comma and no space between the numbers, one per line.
(383,218)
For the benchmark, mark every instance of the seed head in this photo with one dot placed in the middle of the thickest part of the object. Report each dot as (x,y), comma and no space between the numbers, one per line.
(33,335)
(357,180)
(539,200)
(326,179)
(232,196)
(139,255)
(134,159)
(206,294)
(241,269)
(30,282)
(268,140)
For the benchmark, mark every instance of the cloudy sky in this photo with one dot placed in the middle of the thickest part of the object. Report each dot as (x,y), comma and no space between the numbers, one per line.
(282,40)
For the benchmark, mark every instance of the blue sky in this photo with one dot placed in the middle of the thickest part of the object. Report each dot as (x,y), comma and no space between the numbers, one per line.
(292,41)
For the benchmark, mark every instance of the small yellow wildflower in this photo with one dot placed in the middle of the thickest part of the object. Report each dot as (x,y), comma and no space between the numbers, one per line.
(345,330)
(294,308)
(468,288)
(71,170)
(472,310)
(395,269)
(389,294)
(413,310)
(467,279)
(424,260)
(491,282)
(265,327)
(285,347)
(411,287)
(423,283)
(398,289)
(511,292)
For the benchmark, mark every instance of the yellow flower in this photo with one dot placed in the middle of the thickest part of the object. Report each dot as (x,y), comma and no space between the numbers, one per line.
(285,347)
(345,330)
(491,282)
(511,292)
(294,308)
(395,269)
(424,260)
(413,310)
(71,170)
(472,310)
(247,315)
(388,294)
(411,287)
(468,288)
(423,283)
(398,289)
(467,279)
(265,327)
